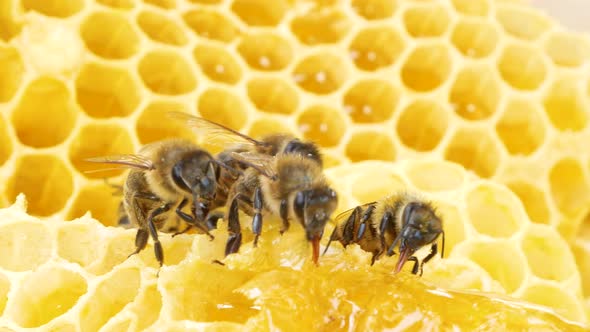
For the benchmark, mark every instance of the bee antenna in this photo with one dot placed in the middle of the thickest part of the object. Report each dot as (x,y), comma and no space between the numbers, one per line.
(442,251)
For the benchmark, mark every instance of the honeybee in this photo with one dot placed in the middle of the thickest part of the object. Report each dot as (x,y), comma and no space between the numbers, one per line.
(279,175)
(164,175)
(400,219)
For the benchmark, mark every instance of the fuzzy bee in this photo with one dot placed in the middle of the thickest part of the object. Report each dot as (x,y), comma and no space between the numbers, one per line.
(280,175)
(166,175)
(400,220)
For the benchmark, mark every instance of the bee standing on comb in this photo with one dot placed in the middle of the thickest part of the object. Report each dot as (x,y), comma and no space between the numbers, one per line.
(399,220)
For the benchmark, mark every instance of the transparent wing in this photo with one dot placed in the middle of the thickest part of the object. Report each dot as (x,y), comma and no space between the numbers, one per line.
(262,163)
(123,161)
(345,214)
(215,133)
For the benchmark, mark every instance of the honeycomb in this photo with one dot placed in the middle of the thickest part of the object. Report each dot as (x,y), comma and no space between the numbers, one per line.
(75,275)
(493,86)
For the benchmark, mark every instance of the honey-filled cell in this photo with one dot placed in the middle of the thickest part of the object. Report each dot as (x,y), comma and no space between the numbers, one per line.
(53,8)
(475,93)
(422,124)
(534,200)
(273,95)
(45,180)
(472,7)
(167,73)
(266,51)
(521,22)
(260,12)
(321,27)
(426,20)
(11,72)
(377,47)
(109,34)
(374,9)
(570,188)
(521,127)
(161,28)
(427,67)
(210,24)
(476,150)
(99,140)
(217,63)
(322,124)
(475,38)
(224,107)
(370,145)
(155,123)
(41,97)
(320,73)
(565,104)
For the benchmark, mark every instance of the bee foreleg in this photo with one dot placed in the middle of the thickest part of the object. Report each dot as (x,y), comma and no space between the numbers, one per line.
(213,218)
(257,219)
(348,232)
(383,226)
(415,268)
(284,212)
(154,233)
(433,252)
(233,228)
(190,219)
(141,238)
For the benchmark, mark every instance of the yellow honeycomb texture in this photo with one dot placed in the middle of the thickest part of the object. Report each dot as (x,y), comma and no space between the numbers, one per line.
(489,99)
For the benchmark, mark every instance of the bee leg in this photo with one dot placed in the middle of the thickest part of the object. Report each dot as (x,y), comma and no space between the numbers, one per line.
(363,222)
(141,239)
(415,268)
(190,220)
(233,227)
(433,252)
(154,233)
(347,236)
(213,218)
(257,219)
(186,229)
(284,211)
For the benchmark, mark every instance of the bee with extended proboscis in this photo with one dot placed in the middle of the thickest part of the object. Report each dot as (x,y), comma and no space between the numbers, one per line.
(280,175)
(166,175)
(398,220)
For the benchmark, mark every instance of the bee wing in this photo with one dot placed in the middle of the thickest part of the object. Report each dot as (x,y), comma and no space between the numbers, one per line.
(344,214)
(123,161)
(215,133)
(262,163)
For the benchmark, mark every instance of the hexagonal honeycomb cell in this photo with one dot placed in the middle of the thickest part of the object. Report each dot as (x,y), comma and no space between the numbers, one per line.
(164,4)
(108,34)
(120,4)
(551,295)
(75,235)
(266,51)
(44,96)
(98,140)
(475,38)
(322,124)
(534,200)
(53,8)
(522,127)
(104,91)
(523,67)
(508,265)
(176,80)
(547,254)
(371,100)
(47,294)
(370,145)
(266,125)
(161,28)
(217,64)
(569,187)
(11,27)
(494,211)
(472,7)
(475,93)
(426,20)
(154,122)
(223,106)
(321,26)
(428,176)
(87,200)
(211,24)
(476,150)
(422,124)
(320,73)
(11,72)
(44,179)
(374,9)
(521,22)
(272,95)
(260,12)
(427,67)
(565,104)
(567,49)
(376,47)
(32,240)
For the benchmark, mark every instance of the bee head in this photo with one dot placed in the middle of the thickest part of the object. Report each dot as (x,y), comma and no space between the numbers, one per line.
(313,208)
(305,149)
(421,226)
